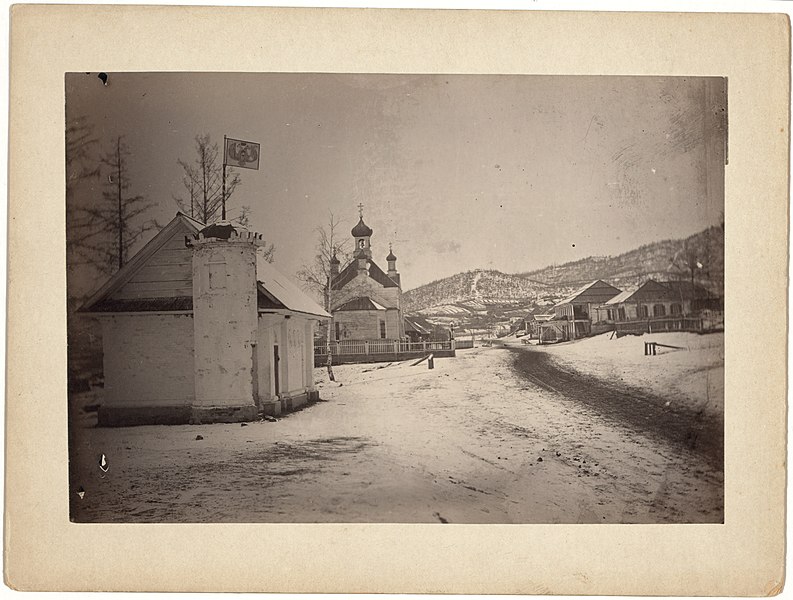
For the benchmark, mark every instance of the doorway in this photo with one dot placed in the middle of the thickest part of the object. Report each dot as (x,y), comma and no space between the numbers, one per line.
(276,369)
(255,373)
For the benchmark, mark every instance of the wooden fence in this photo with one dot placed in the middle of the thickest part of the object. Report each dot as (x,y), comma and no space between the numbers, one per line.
(656,325)
(355,351)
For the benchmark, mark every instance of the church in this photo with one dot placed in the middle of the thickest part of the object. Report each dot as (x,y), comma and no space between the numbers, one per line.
(199,328)
(365,301)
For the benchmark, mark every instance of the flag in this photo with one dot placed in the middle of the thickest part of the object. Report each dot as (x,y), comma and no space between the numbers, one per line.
(241,154)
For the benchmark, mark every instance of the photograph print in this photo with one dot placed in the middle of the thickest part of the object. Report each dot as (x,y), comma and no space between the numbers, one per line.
(395,298)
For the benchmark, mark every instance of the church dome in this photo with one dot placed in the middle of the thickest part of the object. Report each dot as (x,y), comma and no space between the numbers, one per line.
(361,229)
(390,256)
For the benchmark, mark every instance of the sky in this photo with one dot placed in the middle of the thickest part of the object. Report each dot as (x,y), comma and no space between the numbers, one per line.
(506,172)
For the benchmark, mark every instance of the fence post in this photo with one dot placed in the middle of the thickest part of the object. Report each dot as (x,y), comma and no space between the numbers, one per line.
(366,347)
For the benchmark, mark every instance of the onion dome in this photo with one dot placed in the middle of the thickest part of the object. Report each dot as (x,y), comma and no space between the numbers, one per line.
(361,229)
(221,230)
(390,256)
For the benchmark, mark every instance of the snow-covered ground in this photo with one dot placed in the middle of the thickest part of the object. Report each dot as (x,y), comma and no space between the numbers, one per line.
(467,442)
(692,375)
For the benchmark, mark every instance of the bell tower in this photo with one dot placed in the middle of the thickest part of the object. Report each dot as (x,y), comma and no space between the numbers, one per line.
(362,234)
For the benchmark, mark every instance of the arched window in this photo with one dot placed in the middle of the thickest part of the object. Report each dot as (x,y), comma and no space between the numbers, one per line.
(659,310)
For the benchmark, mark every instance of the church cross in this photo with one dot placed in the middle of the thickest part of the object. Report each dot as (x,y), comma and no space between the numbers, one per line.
(360,210)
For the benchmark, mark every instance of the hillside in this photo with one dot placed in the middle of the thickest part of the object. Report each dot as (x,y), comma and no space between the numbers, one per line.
(477,291)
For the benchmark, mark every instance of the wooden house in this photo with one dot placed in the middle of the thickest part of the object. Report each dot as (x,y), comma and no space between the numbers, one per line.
(574,316)
(661,306)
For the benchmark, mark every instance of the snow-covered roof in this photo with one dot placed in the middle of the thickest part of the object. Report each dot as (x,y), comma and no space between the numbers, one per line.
(360,303)
(286,292)
(621,297)
(595,291)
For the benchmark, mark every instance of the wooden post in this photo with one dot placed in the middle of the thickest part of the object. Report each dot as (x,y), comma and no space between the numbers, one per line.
(431,362)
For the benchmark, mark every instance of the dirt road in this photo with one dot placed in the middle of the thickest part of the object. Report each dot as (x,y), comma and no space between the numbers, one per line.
(471,441)
(696,431)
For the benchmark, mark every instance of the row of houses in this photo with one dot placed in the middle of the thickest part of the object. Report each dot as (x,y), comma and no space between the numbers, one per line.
(655,306)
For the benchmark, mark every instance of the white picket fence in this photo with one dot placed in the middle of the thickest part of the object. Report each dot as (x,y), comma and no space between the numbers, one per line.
(364,347)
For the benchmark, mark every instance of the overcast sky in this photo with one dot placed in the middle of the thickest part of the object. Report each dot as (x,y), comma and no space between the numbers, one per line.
(508,172)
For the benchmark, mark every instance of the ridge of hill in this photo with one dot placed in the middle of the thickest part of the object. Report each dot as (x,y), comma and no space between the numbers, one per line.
(699,257)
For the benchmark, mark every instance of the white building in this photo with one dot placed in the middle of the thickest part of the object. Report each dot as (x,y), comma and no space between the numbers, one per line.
(197,327)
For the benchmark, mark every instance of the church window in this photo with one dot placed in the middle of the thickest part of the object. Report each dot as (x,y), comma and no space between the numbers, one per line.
(382,329)
(338,331)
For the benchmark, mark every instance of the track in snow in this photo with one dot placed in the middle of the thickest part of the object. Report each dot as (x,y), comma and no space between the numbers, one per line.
(647,413)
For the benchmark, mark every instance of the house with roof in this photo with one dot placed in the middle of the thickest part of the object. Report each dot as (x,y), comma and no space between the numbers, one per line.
(366,302)
(198,327)
(573,317)
(661,306)
(420,329)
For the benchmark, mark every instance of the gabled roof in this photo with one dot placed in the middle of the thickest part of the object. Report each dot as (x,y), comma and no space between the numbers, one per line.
(596,292)
(350,271)
(361,303)
(689,290)
(669,291)
(284,291)
(416,324)
(621,297)
(180,223)
(274,290)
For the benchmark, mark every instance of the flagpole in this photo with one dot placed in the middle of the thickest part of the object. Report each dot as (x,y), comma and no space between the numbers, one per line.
(223,197)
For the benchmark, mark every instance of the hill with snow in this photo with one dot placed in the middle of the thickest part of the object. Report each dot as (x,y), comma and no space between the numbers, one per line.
(700,256)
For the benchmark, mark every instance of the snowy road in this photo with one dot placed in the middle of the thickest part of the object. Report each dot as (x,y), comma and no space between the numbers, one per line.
(691,429)
(471,441)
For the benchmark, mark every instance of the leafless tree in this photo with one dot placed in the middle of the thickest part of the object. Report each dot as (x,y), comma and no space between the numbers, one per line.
(317,277)
(203,182)
(686,263)
(104,231)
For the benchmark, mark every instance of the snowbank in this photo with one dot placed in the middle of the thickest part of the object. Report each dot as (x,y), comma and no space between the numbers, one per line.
(693,374)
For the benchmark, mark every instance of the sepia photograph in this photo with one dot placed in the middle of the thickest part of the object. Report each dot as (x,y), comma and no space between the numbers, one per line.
(395,298)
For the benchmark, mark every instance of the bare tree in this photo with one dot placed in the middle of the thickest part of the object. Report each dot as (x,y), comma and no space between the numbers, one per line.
(203,182)
(80,142)
(104,232)
(317,276)
(686,263)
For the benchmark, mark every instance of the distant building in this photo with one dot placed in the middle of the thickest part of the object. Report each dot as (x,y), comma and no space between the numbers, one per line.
(662,306)
(574,316)
(366,302)
(419,329)
(197,327)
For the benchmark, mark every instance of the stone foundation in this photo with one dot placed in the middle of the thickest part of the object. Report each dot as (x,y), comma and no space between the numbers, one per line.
(289,404)
(128,416)
(224,414)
